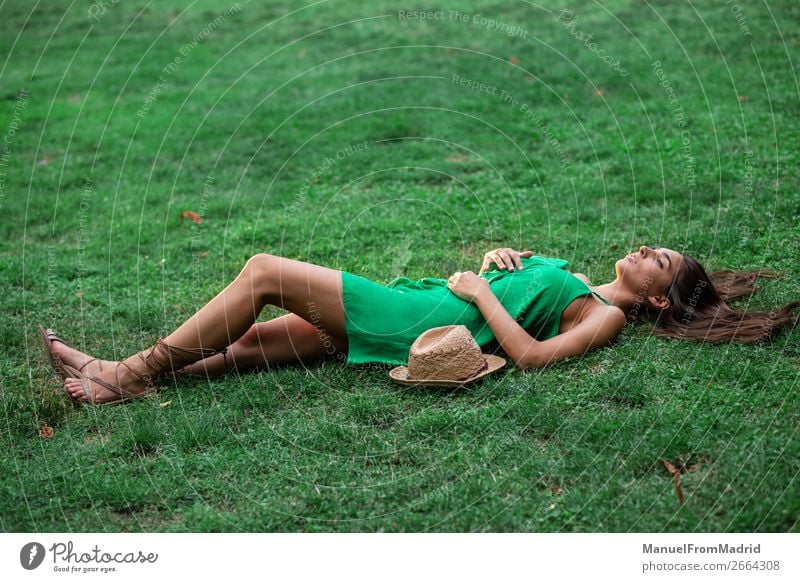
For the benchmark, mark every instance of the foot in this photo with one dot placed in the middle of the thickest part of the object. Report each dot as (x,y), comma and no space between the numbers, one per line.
(79,360)
(115,374)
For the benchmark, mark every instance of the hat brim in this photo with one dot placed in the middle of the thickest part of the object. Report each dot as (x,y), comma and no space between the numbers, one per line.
(400,374)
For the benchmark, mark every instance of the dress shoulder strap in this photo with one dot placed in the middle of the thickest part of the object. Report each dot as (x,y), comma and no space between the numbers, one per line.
(600,297)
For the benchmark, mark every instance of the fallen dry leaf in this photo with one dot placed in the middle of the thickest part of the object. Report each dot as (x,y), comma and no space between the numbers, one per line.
(46,432)
(743,98)
(192,215)
(165,404)
(599,92)
(670,467)
(676,473)
(513,60)
(203,254)
(676,478)
(555,488)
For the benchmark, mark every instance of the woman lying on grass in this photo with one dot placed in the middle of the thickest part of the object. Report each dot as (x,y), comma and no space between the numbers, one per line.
(536,310)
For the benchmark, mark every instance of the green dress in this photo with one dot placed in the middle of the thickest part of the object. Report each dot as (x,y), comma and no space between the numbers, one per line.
(382,321)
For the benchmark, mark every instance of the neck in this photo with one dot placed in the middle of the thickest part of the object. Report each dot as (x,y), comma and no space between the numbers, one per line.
(618,295)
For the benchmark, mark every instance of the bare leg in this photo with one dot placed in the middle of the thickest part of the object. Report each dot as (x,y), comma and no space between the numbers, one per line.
(288,339)
(312,292)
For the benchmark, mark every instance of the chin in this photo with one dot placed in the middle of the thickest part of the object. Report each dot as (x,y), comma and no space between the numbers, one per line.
(622,265)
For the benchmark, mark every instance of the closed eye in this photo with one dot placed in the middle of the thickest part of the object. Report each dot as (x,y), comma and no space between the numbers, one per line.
(660,262)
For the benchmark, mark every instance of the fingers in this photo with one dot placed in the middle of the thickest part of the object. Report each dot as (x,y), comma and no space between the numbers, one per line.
(500,258)
(508,262)
(452,281)
(508,259)
(517,260)
(505,258)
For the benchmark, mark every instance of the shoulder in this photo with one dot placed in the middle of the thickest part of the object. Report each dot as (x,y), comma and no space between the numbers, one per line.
(582,277)
(608,318)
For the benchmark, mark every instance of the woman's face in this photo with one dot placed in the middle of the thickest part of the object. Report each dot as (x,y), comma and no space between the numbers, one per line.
(649,271)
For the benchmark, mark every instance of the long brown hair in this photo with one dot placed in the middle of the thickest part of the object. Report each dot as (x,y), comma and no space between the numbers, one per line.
(699,310)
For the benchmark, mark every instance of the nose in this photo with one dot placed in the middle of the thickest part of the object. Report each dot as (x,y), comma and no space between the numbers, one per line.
(644,250)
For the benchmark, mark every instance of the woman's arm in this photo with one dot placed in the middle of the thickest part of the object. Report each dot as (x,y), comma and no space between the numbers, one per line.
(597,329)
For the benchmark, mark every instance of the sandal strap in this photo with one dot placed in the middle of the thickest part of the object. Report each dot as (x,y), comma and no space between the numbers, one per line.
(89,362)
(180,373)
(51,336)
(118,390)
(224,352)
(164,357)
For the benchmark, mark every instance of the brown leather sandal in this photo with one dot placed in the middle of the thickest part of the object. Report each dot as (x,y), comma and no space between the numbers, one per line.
(160,359)
(61,369)
(48,337)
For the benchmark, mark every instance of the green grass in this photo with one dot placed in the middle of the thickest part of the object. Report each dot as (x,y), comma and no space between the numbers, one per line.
(238,130)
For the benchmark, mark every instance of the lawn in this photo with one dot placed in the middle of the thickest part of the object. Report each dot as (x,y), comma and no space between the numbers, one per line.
(367,138)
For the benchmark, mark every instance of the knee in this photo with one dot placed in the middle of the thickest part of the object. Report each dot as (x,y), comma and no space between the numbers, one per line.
(251,338)
(259,268)
(260,262)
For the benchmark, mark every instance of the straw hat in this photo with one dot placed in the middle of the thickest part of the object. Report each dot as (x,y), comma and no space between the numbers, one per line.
(446,356)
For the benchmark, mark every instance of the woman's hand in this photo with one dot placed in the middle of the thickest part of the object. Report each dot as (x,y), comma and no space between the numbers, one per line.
(504,258)
(467,285)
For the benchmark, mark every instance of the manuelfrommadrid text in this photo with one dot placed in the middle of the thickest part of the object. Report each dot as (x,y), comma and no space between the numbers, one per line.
(693,549)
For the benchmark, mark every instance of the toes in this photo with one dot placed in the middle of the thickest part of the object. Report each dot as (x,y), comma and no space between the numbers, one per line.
(73,387)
